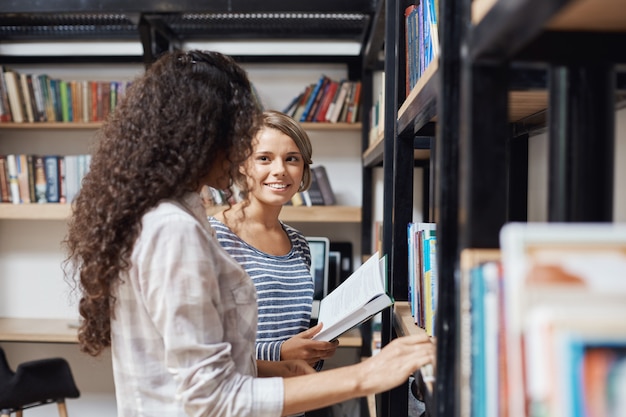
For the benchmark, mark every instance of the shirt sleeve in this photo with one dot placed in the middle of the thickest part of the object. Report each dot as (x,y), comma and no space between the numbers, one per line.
(182,278)
(269,351)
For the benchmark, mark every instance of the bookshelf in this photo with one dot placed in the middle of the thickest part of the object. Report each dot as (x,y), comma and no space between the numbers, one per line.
(521,72)
(100,39)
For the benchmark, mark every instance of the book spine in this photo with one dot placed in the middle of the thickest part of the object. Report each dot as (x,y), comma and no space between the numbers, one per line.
(30,163)
(14,188)
(4,180)
(40,180)
(51,165)
(323,183)
(311,99)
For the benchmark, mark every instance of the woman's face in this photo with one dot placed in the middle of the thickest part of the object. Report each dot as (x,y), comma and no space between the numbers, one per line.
(275,168)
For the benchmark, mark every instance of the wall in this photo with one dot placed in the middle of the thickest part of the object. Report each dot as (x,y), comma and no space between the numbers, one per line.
(31,280)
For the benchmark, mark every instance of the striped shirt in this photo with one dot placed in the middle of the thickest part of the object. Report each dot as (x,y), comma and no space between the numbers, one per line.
(284,287)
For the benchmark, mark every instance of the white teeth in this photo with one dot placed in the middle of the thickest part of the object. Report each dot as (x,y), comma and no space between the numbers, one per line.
(277,186)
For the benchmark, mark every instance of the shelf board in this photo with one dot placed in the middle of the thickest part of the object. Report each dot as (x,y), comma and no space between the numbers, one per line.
(65,331)
(51,125)
(374,154)
(331,126)
(321,214)
(403,320)
(37,330)
(419,108)
(503,28)
(95,125)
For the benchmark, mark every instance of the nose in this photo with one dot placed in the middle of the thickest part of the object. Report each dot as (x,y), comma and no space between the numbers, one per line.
(278,168)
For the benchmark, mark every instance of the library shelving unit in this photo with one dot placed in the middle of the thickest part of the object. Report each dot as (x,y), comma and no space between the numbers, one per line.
(158,26)
(165,25)
(507,69)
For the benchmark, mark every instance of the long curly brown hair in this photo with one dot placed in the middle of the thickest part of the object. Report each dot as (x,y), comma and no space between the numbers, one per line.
(188,111)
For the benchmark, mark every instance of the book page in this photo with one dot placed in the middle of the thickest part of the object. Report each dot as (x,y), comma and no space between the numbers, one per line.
(356,291)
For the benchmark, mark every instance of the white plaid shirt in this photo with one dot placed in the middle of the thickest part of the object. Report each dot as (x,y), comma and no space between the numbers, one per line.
(185,324)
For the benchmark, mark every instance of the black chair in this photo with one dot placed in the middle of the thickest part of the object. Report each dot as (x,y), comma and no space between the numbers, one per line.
(35,383)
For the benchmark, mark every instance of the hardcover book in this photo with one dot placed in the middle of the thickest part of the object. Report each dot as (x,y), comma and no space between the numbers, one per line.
(323,184)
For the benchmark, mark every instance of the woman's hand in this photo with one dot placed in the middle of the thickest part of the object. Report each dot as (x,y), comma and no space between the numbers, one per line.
(302,346)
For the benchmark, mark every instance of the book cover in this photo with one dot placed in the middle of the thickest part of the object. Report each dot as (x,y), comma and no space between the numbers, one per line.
(329,95)
(304,98)
(4,180)
(311,99)
(358,298)
(40,181)
(323,183)
(15,97)
(22,177)
(14,188)
(5,107)
(558,266)
(315,192)
(51,166)
(318,100)
(470,259)
(339,102)
(30,165)
(27,98)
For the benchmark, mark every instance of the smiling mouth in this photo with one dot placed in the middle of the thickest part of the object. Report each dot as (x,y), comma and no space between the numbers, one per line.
(277,186)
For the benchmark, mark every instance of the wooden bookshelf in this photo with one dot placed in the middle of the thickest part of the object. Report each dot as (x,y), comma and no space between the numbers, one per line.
(52,211)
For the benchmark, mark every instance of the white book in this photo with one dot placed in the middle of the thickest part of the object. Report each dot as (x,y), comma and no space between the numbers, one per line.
(358,298)
(14,188)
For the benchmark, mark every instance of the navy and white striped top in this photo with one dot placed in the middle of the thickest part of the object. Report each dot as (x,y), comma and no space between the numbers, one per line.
(284,287)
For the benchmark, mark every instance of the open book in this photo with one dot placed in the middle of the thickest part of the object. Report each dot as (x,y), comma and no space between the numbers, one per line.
(357,299)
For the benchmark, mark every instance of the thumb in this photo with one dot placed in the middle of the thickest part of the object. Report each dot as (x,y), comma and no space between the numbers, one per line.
(309,333)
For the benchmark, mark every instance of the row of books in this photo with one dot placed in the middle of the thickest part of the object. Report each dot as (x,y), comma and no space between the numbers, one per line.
(422,39)
(542,322)
(41,98)
(422,274)
(41,178)
(327,100)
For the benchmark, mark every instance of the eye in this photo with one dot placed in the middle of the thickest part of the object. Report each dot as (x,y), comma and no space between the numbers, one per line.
(262,158)
(293,159)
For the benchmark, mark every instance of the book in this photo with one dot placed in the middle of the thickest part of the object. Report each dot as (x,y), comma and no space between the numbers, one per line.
(14,188)
(328,98)
(311,98)
(15,96)
(337,105)
(323,183)
(51,168)
(358,298)
(564,268)
(4,180)
(471,259)
(40,180)
(314,192)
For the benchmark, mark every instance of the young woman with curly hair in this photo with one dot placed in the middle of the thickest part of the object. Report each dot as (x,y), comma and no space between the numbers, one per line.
(178,313)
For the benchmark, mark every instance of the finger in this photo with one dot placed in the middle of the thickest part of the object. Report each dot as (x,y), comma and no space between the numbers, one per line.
(309,333)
